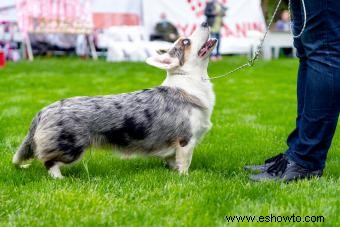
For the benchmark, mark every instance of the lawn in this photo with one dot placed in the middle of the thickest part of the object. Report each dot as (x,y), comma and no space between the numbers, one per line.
(255,110)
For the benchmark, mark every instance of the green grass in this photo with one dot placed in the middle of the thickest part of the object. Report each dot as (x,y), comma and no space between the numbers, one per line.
(255,111)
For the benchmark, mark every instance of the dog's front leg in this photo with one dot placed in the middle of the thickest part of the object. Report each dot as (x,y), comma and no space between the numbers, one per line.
(183,157)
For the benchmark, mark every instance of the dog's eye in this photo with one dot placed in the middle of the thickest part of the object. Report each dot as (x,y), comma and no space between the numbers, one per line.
(161,51)
(186,42)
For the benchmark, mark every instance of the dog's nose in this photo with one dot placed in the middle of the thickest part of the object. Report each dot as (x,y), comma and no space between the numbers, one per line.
(204,25)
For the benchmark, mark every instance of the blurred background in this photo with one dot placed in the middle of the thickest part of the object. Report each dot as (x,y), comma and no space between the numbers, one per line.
(132,30)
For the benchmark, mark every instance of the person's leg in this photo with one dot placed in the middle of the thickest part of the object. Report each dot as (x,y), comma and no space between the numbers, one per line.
(218,37)
(319,106)
(318,92)
(213,53)
(216,52)
(319,118)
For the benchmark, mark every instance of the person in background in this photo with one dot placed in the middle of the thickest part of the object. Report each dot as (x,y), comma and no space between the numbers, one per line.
(165,30)
(214,12)
(283,25)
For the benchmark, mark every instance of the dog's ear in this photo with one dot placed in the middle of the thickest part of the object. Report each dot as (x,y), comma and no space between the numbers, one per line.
(163,61)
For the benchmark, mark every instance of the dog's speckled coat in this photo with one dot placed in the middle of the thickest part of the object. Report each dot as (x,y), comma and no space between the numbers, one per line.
(165,121)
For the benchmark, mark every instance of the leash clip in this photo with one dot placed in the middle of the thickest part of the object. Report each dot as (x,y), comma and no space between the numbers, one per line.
(251,62)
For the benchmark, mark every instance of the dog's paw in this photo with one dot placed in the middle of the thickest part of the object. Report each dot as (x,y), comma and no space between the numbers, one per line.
(57,177)
(184,172)
(55,173)
(24,166)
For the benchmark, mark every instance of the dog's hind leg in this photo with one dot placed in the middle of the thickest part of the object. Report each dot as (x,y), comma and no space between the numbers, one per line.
(53,168)
(184,156)
(61,158)
(60,148)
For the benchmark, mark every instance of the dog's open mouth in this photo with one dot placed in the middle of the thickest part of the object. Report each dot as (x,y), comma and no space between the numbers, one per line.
(207,47)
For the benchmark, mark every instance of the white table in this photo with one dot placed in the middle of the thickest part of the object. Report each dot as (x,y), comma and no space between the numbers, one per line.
(275,41)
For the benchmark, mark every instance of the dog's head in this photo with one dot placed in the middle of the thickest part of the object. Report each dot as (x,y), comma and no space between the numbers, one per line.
(188,54)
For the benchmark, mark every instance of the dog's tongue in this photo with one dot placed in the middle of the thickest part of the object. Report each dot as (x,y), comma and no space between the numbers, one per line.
(205,48)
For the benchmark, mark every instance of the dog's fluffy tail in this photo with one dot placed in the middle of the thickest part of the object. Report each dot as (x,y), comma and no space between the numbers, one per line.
(25,151)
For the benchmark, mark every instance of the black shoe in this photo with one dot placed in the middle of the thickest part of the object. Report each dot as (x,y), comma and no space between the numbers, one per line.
(265,166)
(297,172)
(286,170)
